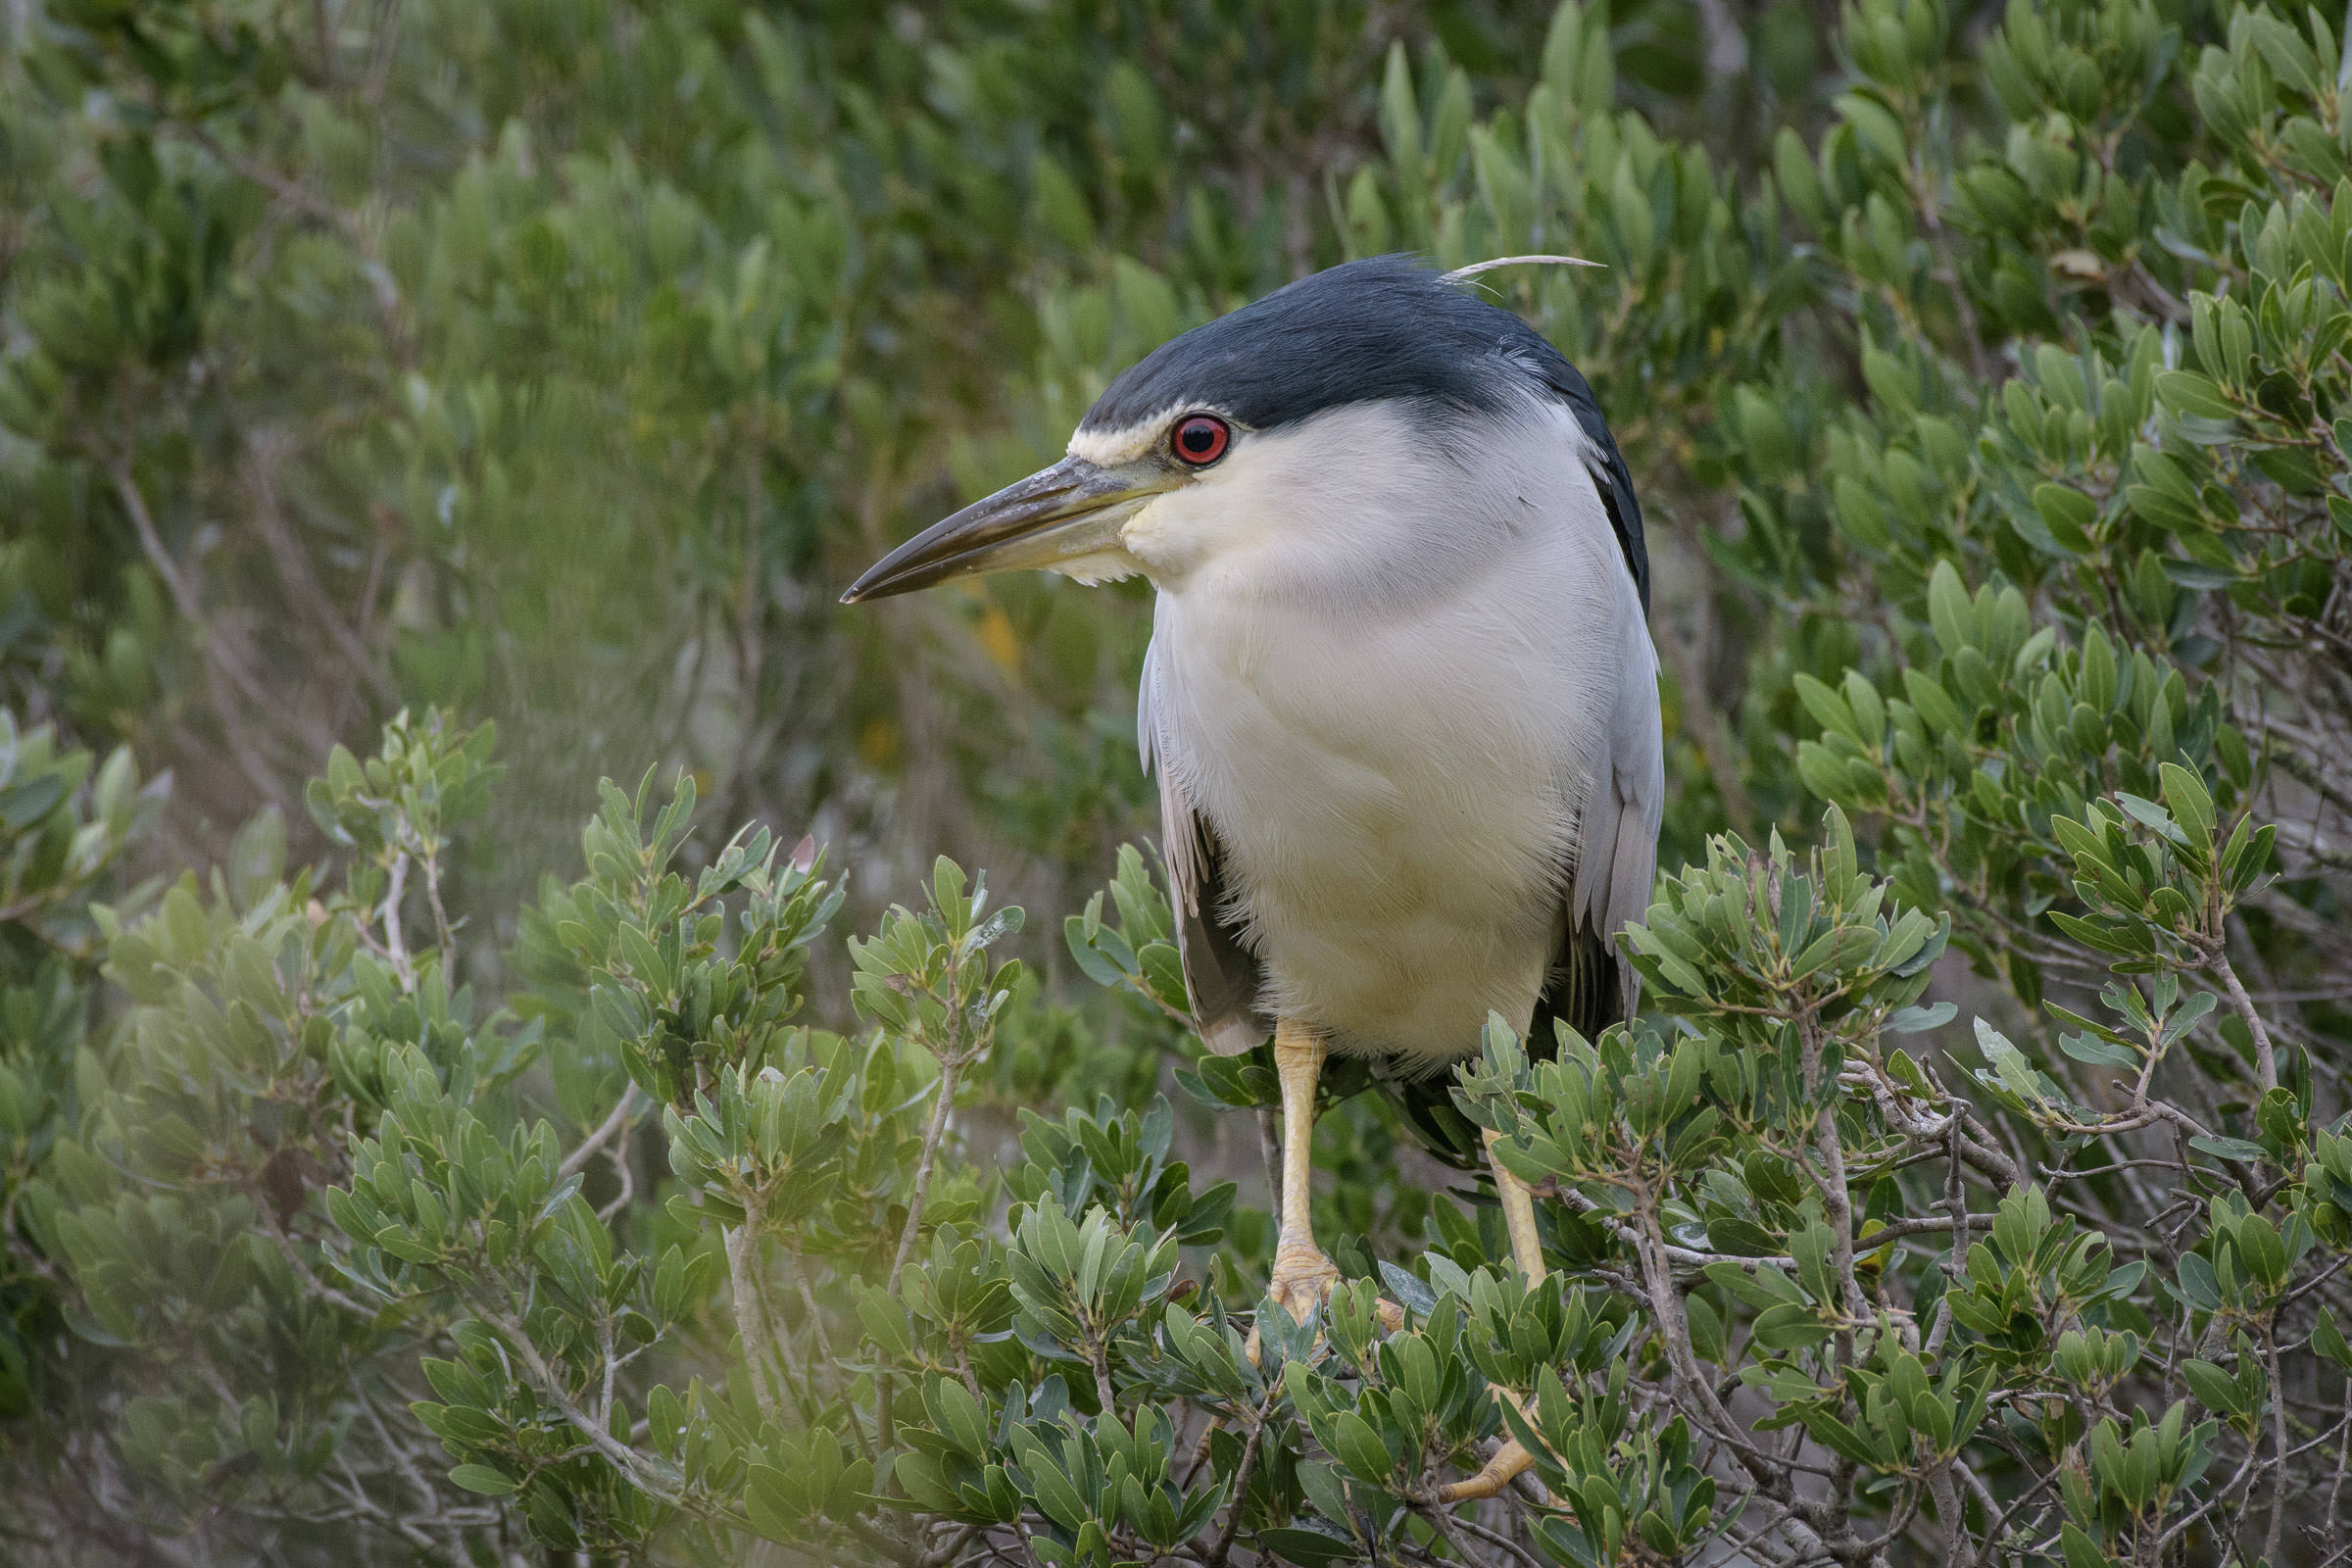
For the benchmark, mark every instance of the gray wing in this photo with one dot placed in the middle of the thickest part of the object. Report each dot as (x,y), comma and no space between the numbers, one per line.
(1221,975)
(1592,985)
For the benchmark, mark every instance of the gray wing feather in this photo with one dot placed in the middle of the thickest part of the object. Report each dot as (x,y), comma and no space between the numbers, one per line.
(1617,852)
(1617,849)
(1221,975)
(1617,841)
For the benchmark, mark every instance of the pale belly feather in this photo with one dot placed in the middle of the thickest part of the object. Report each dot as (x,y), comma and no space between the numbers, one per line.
(1395,795)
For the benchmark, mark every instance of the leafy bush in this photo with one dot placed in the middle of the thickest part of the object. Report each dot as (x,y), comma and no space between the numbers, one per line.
(335,1273)
(63,829)
(1995,419)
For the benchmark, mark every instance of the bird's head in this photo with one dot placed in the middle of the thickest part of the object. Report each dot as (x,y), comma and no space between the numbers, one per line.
(1311,403)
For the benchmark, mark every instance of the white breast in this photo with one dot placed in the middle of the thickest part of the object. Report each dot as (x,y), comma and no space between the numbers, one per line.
(1387,696)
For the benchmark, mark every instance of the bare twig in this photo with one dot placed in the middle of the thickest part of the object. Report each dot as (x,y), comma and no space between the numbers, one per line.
(623,1111)
(2265,1063)
(396,947)
(1241,1484)
(750,1314)
(942,1104)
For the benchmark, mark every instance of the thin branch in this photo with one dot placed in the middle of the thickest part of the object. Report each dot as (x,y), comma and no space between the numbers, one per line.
(295,570)
(2265,1063)
(396,947)
(622,1113)
(1241,1484)
(951,1069)
(751,1316)
(2269,1352)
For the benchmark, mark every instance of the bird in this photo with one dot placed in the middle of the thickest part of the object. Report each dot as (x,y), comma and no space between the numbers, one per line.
(1400,695)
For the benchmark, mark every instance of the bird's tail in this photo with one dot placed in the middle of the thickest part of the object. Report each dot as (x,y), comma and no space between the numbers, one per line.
(1586,992)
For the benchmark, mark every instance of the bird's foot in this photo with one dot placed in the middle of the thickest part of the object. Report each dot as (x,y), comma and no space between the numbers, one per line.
(1303,1280)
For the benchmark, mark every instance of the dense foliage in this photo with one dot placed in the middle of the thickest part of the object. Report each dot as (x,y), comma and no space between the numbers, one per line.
(1977,1185)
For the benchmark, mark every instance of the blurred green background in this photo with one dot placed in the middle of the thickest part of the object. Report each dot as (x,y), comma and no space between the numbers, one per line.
(561,362)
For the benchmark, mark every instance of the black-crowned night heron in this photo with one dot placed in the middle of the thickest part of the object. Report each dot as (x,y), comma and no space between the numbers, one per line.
(1401,691)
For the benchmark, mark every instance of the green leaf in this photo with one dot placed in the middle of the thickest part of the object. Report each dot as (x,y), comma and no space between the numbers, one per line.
(2187,392)
(1309,1548)
(23,804)
(2329,1340)
(1835,1435)
(1827,708)
(2215,1387)
(2198,1283)
(482,1479)
(767,1501)
(1096,965)
(1935,704)
(2099,1052)
(2068,512)
(2079,1549)
(2201,575)
(1324,1488)
(1790,1327)
(1356,1444)
(2192,806)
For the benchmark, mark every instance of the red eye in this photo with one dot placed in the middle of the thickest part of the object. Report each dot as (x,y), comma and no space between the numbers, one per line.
(1201,439)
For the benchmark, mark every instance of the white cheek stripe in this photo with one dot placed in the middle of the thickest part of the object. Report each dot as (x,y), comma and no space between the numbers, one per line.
(1107,449)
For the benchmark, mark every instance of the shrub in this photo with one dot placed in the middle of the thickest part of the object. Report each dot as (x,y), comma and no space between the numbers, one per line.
(333,1271)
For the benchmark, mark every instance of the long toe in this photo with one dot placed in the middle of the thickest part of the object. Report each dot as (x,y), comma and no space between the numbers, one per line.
(1510,1462)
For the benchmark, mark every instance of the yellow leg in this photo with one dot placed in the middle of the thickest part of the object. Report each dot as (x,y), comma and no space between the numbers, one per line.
(1302,1275)
(1519,1215)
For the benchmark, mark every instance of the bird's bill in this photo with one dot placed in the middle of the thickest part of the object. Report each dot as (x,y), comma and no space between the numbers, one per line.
(1052,518)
